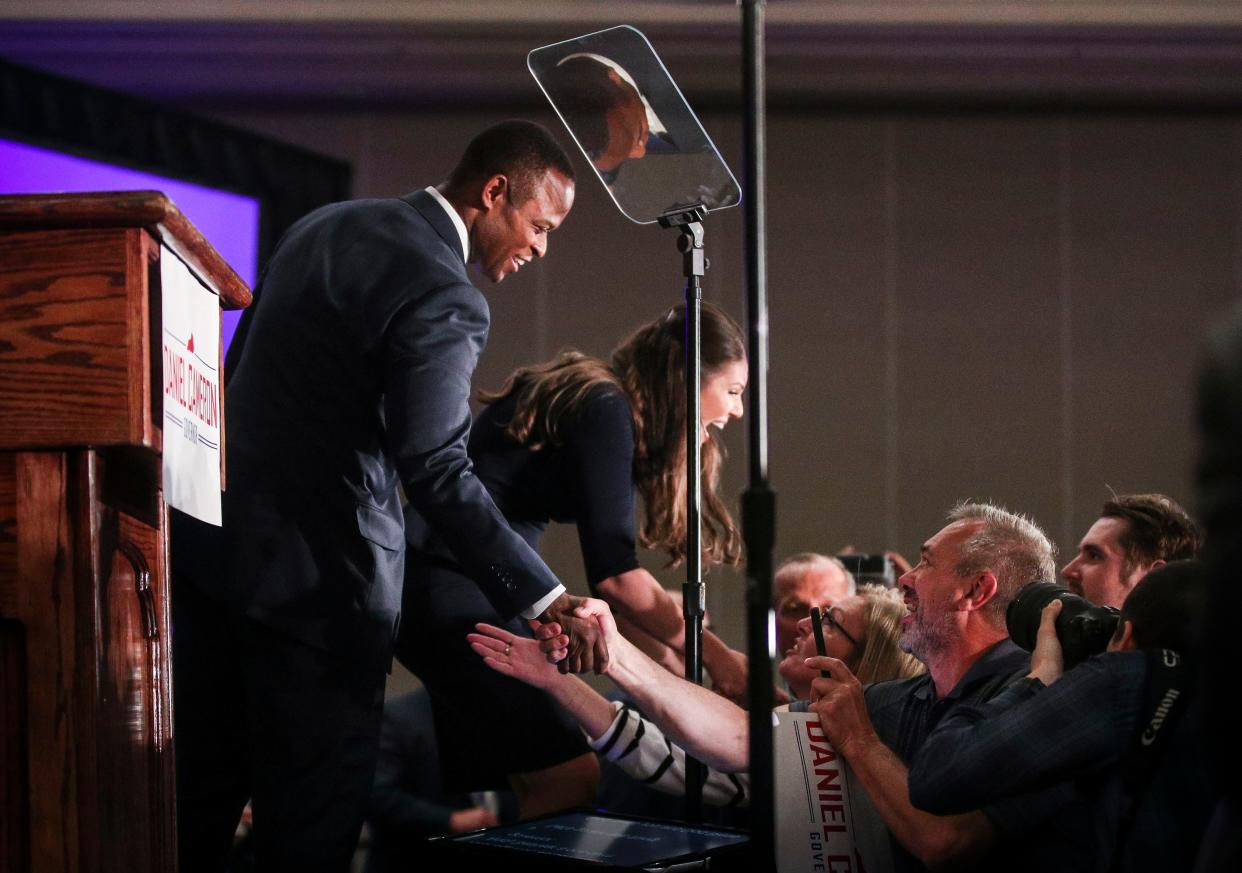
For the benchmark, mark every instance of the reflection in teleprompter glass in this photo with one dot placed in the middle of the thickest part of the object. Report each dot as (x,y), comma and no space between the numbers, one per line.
(606,840)
(633,124)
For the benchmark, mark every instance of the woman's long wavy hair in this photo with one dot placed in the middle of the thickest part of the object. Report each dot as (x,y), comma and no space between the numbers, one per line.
(649,367)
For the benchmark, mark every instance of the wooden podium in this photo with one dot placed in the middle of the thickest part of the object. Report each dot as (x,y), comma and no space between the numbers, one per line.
(86,723)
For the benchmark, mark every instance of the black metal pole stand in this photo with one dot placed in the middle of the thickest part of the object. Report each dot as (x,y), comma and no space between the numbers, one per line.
(759,501)
(694,595)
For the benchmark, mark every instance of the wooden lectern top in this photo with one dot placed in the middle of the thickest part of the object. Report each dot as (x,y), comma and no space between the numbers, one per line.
(149,209)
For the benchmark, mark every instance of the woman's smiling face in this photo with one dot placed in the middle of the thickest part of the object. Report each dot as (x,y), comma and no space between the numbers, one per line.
(721,396)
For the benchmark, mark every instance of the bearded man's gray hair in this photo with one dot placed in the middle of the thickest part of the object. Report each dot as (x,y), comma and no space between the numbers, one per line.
(1012,546)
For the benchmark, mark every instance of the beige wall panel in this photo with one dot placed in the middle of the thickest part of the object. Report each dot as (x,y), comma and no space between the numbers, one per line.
(828,291)
(1153,213)
(977,319)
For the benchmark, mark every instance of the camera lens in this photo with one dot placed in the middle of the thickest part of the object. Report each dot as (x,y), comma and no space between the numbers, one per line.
(1083,628)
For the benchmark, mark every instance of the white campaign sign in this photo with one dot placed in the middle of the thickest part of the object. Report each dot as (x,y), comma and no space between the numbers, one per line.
(191,357)
(825,822)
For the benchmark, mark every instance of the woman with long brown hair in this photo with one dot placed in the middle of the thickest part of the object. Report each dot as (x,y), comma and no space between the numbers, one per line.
(574,440)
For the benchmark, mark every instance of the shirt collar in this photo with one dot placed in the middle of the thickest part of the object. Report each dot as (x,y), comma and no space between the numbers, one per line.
(1002,658)
(455,218)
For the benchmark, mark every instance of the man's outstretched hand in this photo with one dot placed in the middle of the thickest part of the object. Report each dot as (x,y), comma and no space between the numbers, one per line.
(571,636)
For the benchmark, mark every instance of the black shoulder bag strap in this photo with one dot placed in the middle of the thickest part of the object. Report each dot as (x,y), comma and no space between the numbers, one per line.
(1166,695)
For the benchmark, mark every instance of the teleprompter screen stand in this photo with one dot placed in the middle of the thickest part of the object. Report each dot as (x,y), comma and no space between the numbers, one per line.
(694,593)
(658,164)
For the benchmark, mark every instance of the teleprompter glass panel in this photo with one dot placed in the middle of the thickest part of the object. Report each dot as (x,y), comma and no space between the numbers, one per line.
(633,124)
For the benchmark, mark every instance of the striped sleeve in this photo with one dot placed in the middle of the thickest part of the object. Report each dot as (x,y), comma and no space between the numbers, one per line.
(640,748)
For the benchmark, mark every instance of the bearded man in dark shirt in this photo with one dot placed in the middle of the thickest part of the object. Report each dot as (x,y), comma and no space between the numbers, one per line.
(957,595)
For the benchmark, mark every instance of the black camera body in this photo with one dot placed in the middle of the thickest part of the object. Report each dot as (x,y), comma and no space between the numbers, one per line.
(1083,628)
(873,569)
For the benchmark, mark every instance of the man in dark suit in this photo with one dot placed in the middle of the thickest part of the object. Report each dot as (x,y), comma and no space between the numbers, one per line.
(348,379)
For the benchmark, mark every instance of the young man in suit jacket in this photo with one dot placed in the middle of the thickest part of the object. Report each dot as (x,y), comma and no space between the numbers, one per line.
(348,377)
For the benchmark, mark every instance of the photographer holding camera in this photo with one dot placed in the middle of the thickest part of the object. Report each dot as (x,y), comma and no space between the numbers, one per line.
(1123,726)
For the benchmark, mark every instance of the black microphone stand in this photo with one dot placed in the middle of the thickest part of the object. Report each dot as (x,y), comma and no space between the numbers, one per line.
(693,599)
(759,501)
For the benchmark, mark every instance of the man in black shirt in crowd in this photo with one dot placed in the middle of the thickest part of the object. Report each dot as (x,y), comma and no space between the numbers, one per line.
(957,595)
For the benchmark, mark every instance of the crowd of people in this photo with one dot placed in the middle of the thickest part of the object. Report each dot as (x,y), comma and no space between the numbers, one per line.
(975,753)
(348,389)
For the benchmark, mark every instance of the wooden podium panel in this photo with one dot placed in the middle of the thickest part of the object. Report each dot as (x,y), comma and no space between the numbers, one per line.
(87,779)
(70,373)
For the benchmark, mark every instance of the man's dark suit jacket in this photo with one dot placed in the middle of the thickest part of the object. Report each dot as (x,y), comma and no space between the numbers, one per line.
(350,374)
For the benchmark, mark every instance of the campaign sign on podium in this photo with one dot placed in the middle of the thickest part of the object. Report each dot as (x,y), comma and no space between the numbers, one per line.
(825,822)
(191,359)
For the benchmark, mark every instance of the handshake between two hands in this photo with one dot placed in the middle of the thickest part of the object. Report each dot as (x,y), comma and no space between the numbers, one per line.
(573,632)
